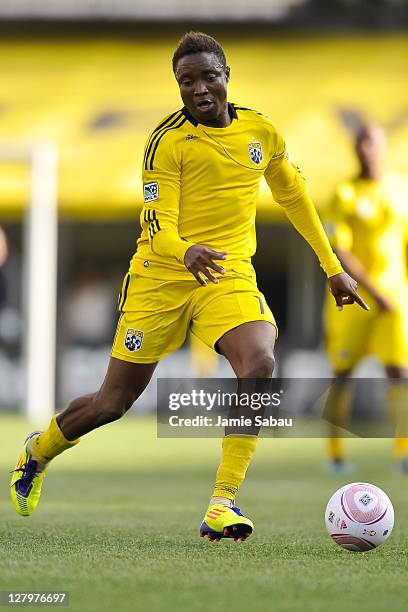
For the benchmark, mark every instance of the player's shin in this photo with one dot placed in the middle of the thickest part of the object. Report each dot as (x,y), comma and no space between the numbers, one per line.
(237,452)
(335,447)
(397,407)
(336,414)
(223,518)
(239,444)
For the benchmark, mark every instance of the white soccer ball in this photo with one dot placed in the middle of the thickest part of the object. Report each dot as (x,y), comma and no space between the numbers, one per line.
(359,516)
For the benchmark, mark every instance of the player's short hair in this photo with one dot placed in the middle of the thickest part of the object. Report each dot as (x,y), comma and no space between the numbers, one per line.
(198,42)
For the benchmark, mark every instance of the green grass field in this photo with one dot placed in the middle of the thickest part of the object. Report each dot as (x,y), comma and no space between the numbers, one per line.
(118,528)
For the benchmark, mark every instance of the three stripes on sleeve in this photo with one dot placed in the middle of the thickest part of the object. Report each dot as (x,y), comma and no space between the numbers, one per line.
(172,122)
(149,216)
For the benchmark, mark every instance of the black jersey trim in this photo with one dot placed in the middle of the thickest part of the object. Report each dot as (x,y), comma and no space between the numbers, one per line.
(154,227)
(231,111)
(163,123)
(159,127)
(149,215)
(158,141)
(125,292)
(245,108)
(189,116)
(157,132)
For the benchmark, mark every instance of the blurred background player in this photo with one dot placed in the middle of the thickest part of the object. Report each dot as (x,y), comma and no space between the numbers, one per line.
(3,258)
(367,223)
(204,361)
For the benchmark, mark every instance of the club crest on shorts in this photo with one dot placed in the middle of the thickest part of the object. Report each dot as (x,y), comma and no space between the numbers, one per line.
(255,152)
(134,340)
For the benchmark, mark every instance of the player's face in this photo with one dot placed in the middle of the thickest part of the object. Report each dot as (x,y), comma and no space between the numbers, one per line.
(371,147)
(203,87)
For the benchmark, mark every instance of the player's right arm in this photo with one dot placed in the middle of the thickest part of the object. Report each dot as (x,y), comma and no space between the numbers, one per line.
(160,214)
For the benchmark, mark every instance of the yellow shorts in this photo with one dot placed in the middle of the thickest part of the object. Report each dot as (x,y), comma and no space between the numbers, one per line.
(155,315)
(354,333)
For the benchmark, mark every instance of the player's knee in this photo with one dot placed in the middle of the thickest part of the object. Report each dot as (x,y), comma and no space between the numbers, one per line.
(343,375)
(109,413)
(396,372)
(258,365)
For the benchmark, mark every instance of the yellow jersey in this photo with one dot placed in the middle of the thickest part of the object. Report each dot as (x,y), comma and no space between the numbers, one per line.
(200,186)
(370,219)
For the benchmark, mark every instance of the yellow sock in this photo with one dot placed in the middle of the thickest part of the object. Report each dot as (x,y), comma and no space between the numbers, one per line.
(336,448)
(237,452)
(336,412)
(401,447)
(397,404)
(51,443)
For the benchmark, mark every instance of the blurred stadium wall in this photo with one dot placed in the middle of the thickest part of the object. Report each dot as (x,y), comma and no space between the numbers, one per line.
(95,77)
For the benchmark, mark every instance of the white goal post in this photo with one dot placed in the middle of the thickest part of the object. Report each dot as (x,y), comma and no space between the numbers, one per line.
(39,274)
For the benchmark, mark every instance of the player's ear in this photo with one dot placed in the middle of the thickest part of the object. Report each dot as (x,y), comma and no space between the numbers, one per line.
(227,73)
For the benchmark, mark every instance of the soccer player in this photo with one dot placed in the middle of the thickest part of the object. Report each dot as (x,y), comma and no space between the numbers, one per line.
(3,258)
(192,269)
(367,223)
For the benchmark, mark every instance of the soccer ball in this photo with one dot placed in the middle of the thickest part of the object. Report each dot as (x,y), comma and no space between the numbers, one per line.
(359,516)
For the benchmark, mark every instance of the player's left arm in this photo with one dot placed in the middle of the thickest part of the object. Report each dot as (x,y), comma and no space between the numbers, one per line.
(288,189)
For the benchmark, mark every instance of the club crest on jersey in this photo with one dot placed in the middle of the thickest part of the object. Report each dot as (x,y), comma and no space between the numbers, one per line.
(255,152)
(150,191)
(134,340)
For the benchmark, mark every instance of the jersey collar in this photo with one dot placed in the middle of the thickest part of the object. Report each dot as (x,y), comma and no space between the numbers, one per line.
(231,111)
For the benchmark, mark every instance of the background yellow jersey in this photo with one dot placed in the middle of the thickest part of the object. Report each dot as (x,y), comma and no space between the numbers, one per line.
(370,219)
(201,186)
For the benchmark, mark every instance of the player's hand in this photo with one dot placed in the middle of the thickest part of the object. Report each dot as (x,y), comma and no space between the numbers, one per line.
(383,302)
(344,290)
(199,258)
